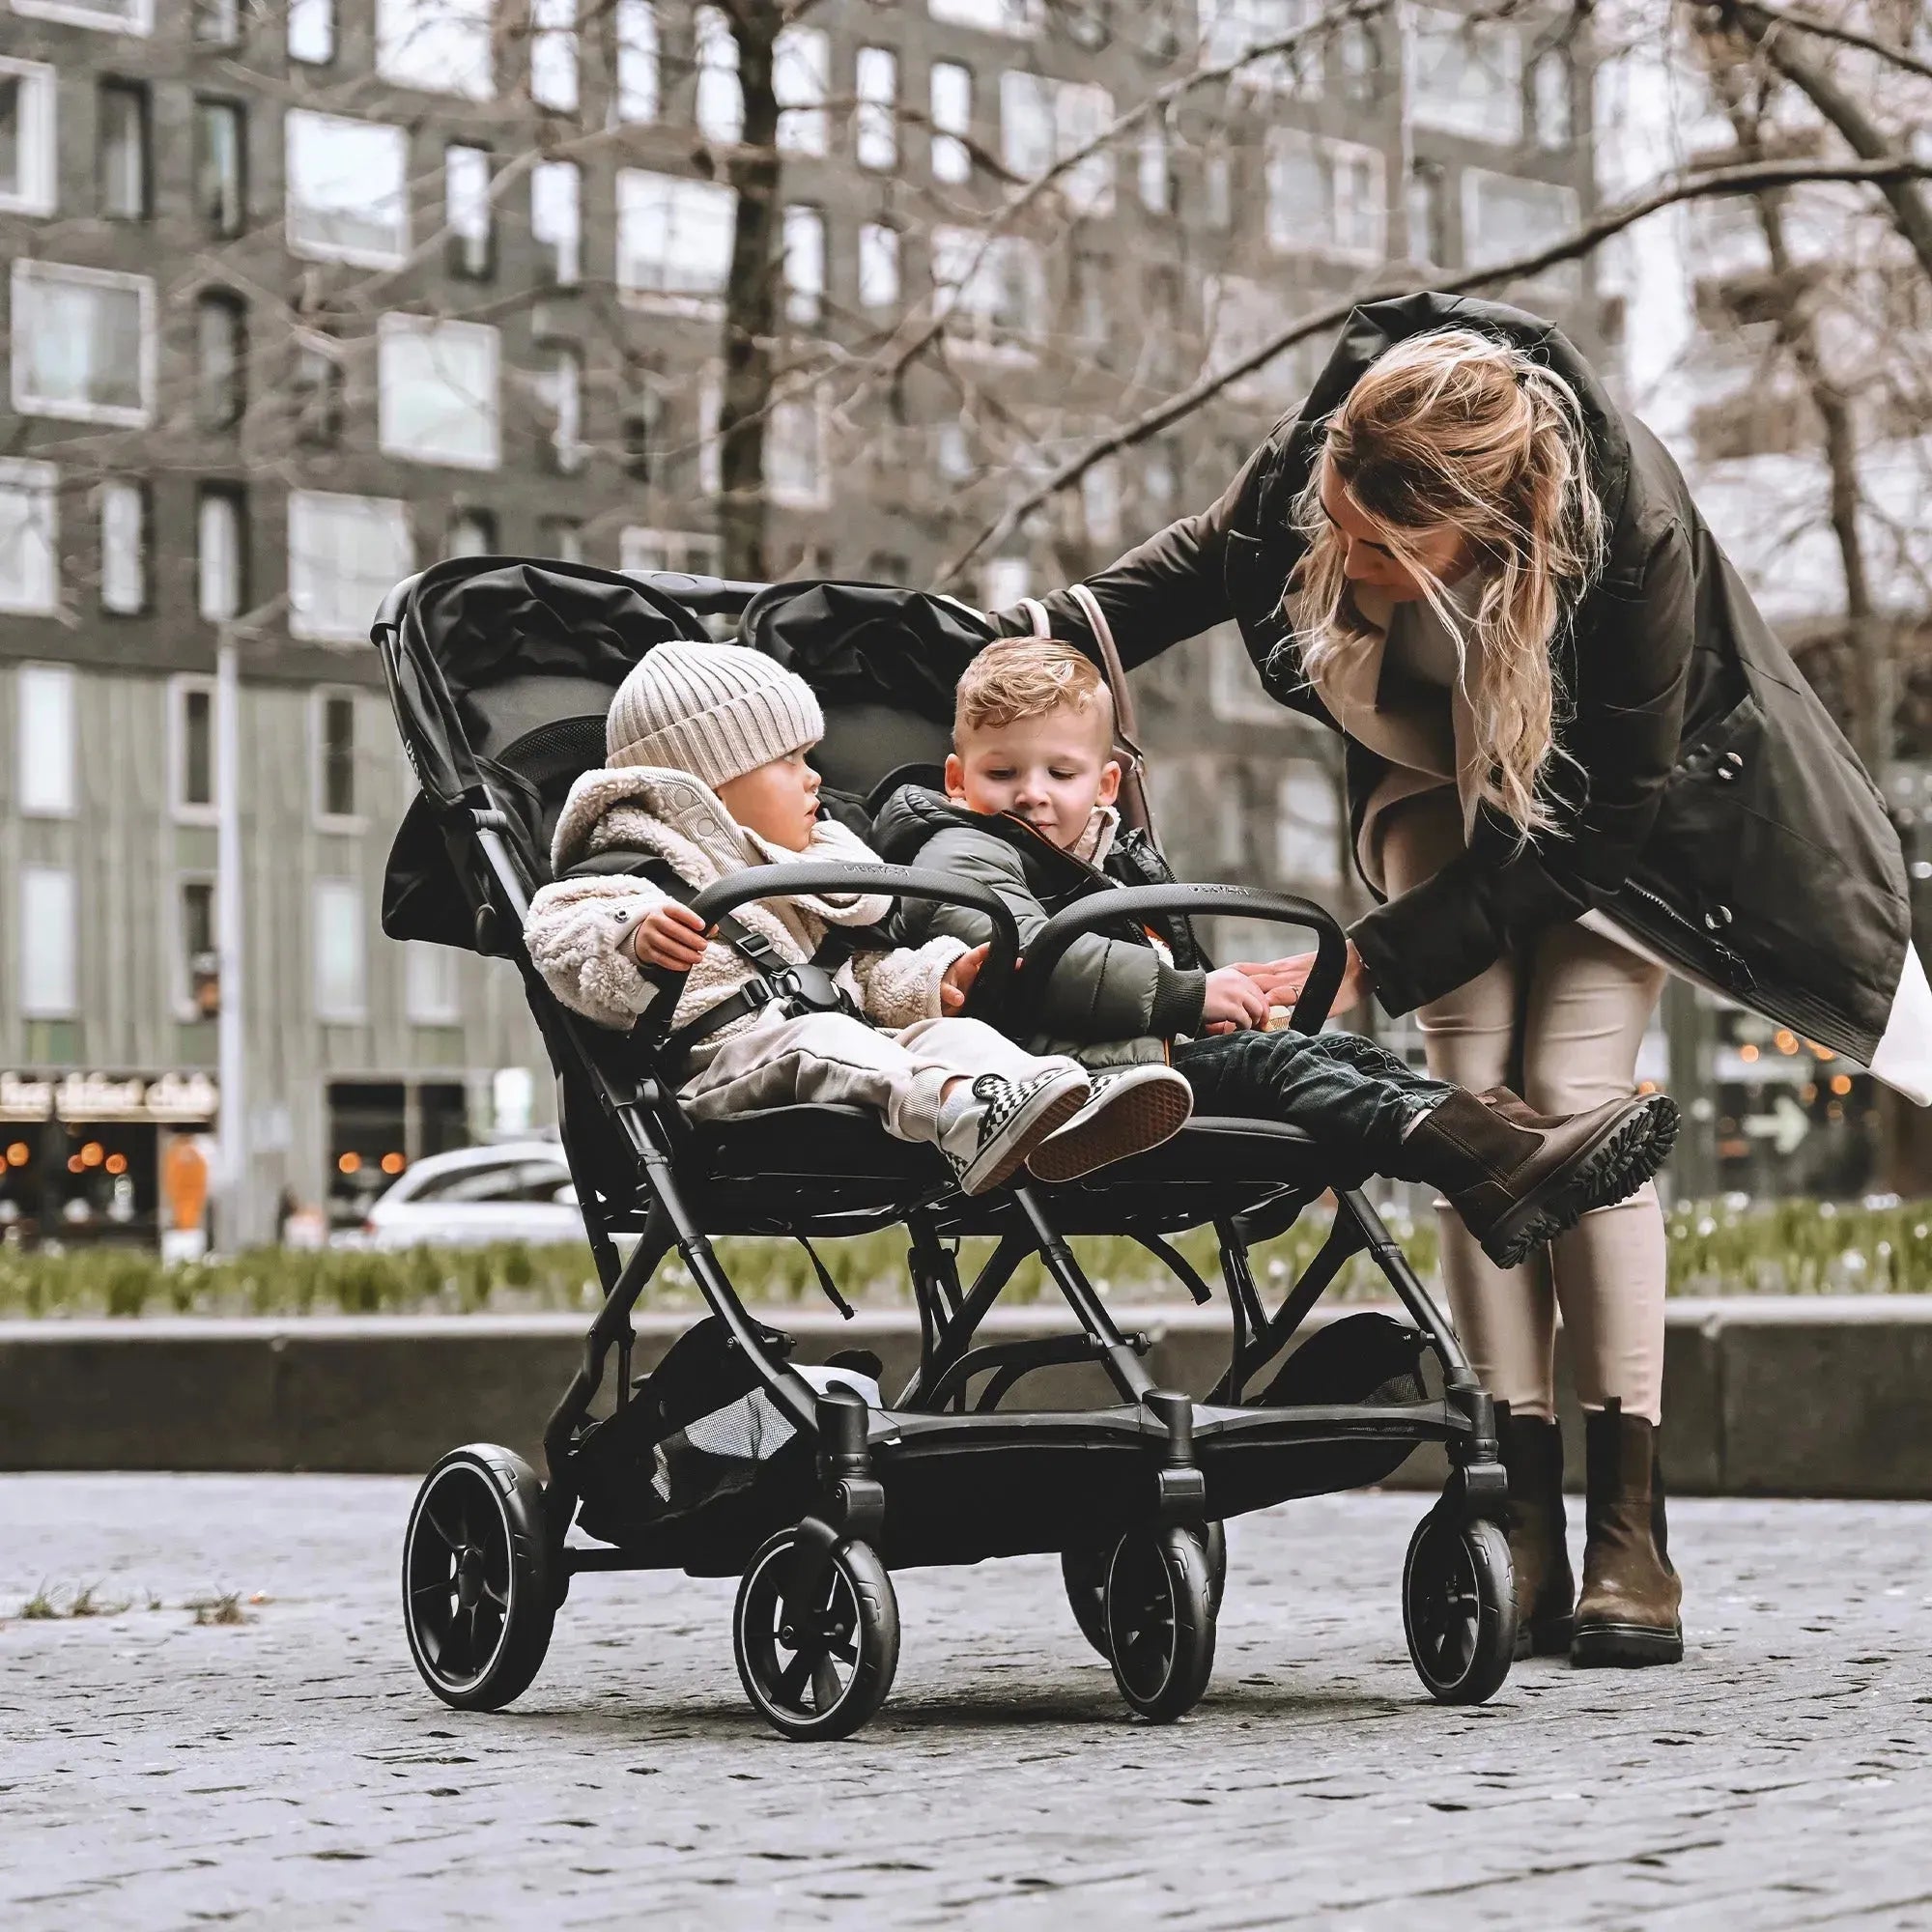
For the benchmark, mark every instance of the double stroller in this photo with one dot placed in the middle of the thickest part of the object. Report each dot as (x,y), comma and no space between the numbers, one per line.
(808,1484)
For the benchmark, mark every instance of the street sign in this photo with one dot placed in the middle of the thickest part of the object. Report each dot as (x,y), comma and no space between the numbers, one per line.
(1784,1126)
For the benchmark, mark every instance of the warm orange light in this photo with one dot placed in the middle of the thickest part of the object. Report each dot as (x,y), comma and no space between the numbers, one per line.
(1810,1091)
(93,1155)
(1788,1041)
(1646,1085)
(73,1165)
(1748,1053)
(18,1154)
(1841,1083)
(393,1163)
(117,1163)
(350,1163)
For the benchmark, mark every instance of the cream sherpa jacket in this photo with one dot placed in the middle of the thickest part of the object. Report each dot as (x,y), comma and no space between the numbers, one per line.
(578,929)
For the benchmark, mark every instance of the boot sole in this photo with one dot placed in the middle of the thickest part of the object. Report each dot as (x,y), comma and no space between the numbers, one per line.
(1605,1171)
(1141,1117)
(1053,1115)
(1552,1638)
(1625,1646)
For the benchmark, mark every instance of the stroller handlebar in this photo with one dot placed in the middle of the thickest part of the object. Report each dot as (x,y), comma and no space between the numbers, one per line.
(707,596)
(1137,902)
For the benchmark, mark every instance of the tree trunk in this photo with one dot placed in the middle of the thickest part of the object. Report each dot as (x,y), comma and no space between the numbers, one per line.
(751,295)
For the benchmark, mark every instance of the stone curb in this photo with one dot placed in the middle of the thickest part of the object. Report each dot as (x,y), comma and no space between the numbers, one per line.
(1810,1396)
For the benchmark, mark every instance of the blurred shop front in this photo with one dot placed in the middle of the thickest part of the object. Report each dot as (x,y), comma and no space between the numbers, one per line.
(120,1157)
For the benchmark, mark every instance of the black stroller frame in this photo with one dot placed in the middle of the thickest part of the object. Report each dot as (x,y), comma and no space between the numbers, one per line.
(1131,1495)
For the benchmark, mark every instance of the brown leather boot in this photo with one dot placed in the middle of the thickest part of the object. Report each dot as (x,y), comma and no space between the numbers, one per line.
(1546,1587)
(1628,1610)
(1519,1177)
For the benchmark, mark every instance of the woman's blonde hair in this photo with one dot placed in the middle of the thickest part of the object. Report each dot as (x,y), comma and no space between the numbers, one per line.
(1459,430)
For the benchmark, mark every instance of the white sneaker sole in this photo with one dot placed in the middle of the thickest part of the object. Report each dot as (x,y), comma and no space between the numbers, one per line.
(1046,1113)
(1136,1115)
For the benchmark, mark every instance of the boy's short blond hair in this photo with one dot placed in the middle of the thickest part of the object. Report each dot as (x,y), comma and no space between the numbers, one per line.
(1026,678)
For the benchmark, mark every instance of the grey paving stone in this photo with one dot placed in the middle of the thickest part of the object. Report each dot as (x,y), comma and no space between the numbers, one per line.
(292,1772)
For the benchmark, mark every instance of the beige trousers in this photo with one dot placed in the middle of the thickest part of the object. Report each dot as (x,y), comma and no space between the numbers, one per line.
(1564,1020)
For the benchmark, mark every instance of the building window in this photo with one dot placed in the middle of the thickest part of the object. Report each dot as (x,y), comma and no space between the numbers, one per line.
(878,265)
(341,994)
(643,420)
(83,343)
(1308,824)
(554,55)
(1506,214)
(217,24)
(1464,74)
(198,956)
(1004,581)
(991,293)
(115,16)
(121,134)
(691,551)
(721,100)
(1324,197)
(952,121)
(674,237)
(191,748)
(220,183)
(1429,213)
(1217,182)
(638,81)
(441,46)
(710,441)
(1242,315)
(312,31)
(335,755)
(875,128)
(221,360)
(1549,100)
(1045,121)
(316,390)
(471,533)
(430,984)
(802,80)
(1230,29)
(348,190)
(124,547)
(27,101)
(465,210)
(1155,170)
(49,956)
(436,397)
(1362,65)
(45,743)
(559,392)
(221,551)
(796,473)
(556,221)
(346,554)
(561,538)
(1101,503)
(1021,18)
(29,568)
(803,264)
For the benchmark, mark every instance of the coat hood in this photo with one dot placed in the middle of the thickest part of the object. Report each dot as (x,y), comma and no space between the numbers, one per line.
(913,813)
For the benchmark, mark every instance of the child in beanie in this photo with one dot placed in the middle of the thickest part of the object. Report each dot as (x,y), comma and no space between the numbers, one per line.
(706,775)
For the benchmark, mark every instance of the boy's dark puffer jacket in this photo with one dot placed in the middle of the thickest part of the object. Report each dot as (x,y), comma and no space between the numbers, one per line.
(1114,999)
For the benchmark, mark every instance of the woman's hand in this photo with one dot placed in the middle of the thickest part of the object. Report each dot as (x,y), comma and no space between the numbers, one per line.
(1235,999)
(958,980)
(1282,979)
(671,936)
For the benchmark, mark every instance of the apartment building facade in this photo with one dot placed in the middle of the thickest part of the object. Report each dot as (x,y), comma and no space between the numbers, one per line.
(304,296)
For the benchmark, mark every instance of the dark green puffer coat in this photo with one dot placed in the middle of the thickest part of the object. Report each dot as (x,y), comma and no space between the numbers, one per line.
(1113,999)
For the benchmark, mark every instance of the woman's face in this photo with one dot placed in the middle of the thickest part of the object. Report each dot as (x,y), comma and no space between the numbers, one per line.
(1368,560)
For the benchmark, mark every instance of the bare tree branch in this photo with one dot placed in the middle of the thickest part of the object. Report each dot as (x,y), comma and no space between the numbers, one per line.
(1751,179)
(1829,30)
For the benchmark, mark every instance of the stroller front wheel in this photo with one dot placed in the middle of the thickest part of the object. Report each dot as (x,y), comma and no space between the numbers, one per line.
(820,1669)
(477,1604)
(1459,1608)
(1160,1621)
(1083,1573)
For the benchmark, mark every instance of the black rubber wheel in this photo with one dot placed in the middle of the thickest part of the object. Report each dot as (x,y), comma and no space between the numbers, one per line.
(1084,1573)
(1459,1608)
(1160,1621)
(826,1680)
(478,1602)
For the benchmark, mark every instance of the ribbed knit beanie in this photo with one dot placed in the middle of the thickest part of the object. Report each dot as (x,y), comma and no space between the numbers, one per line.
(716,711)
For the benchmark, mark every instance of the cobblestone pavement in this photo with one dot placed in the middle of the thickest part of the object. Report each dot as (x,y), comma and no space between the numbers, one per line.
(291,1772)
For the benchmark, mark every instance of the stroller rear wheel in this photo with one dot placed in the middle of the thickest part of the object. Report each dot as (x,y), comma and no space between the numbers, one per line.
(1160,1621)
(1084,1573)
(1459,1608)
(823,1670)
(477,1602)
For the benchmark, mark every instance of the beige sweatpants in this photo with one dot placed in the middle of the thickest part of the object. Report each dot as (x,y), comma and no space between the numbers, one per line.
(1565,1020)
(832,1059)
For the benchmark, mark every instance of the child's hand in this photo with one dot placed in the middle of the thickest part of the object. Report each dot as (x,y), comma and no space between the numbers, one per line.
(1282,979)
(671,936)
(958,977)
(1234,999)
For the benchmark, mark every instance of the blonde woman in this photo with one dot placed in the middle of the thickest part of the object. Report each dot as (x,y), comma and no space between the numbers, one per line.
(1578,758)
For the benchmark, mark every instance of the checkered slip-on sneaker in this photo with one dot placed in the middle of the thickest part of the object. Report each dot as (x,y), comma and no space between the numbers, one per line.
(1007,1121)
(1133,1109)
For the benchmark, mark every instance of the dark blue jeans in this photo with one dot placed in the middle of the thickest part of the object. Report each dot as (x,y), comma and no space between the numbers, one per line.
(1353,1095)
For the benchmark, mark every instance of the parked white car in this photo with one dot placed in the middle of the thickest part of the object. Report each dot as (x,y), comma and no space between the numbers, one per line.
(516,1192)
